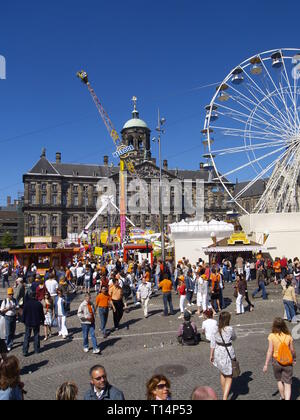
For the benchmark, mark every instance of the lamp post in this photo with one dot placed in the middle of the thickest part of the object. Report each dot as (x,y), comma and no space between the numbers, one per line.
(161,121)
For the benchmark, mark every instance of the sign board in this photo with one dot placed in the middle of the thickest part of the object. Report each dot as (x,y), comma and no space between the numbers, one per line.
(98,251)
(41,239)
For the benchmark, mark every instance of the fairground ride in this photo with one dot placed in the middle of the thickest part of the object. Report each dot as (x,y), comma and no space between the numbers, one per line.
(252,130)
(122,151)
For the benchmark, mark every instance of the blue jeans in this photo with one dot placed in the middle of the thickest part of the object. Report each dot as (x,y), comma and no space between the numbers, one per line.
(289,309)
(5,280)
(10,327)
(189,296)
(262,287)
(157,276)
(103,314)
(86,329)
(36,337)
(167,298)
(134,295)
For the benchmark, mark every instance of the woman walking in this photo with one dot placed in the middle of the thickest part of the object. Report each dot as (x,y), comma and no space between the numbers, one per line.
(60,314)
(158,388)
(241,286)
(222,352)
(280,342)
(182,293)
(289,300)
(202,292)
(48,311)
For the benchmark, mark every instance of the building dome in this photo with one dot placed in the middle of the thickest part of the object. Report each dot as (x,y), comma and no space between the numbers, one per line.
(135,122)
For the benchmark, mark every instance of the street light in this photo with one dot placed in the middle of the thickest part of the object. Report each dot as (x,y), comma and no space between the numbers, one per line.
(161,122)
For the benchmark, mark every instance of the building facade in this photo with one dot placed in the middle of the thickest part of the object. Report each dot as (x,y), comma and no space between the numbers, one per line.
(60,198)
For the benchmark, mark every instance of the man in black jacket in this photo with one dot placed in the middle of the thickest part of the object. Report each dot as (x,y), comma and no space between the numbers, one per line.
(33,317)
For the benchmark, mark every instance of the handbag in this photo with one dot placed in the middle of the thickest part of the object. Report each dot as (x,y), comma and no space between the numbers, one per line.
(236,371)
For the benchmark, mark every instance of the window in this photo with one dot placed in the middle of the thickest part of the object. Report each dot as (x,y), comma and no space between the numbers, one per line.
(44,187)
(43,231)
(75,219)
(86,200)
(54,231)
(43,220)
(54,199)
(54,187)
(75,200)
(32,231)
(32,199)
(31,218)
(54,219)
(95,198)
(75,229)
(75,188)
(64,199)
(32,187)
(44,199)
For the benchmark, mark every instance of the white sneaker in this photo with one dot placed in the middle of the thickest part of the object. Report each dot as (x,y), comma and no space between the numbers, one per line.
(96,351)
(86,350)
(189,304)
(180,317)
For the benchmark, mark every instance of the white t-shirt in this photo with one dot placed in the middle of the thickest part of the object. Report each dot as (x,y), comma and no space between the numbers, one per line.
(209,326)
(51,286)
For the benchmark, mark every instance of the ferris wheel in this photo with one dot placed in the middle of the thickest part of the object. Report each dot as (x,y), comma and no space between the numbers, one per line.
(252,131)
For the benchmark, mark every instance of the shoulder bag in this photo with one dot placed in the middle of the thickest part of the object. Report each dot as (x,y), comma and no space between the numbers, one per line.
(236,371)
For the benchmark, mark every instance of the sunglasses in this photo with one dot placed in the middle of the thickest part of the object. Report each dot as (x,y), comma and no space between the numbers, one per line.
(162,386)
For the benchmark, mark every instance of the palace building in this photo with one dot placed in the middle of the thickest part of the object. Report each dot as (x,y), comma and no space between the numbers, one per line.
(60,198)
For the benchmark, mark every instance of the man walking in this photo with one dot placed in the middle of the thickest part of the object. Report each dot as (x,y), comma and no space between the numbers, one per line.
(166,286)
(144,293)
(87,314)
(9,309)
(33,317)
(261,283)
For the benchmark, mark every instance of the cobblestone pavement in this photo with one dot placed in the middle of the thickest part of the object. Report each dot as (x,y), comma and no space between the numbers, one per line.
(144,346)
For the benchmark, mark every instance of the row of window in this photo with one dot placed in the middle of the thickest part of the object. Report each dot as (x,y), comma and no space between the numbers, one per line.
(42,231)
(54,201)
(54,187)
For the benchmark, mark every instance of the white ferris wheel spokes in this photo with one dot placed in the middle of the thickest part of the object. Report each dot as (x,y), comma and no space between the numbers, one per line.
(252,130)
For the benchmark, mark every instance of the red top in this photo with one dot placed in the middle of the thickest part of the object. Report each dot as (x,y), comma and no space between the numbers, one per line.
(182,290)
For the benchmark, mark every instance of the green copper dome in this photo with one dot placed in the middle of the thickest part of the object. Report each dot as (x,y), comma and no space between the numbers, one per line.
(135,122)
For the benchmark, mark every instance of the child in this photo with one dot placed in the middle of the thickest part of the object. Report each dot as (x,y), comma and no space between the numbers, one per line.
(209,326)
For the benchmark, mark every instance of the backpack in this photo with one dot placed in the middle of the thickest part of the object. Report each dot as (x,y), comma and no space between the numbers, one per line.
(285,357)
(188,334)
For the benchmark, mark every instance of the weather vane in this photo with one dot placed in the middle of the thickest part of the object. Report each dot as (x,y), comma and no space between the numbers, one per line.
(134,100)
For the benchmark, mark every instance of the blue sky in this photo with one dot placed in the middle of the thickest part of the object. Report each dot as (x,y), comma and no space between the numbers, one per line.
(160,51)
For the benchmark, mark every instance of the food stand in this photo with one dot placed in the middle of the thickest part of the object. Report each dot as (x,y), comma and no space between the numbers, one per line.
(44,259)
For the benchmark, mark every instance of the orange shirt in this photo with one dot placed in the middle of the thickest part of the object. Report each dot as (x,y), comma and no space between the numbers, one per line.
(102,301)
(277,266)
(215,278)
(166,286)
(147,276)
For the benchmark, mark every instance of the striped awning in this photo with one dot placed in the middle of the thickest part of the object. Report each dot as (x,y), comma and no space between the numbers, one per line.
(241,248)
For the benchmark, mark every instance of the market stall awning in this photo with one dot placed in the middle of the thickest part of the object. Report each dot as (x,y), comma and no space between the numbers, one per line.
(241,248)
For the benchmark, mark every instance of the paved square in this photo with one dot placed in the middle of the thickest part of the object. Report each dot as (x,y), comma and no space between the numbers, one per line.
(144,346)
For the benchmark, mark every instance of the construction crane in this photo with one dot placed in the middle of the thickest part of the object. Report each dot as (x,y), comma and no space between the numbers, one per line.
(122,151)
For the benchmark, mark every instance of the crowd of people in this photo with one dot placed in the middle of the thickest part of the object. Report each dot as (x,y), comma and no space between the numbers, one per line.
(45,301)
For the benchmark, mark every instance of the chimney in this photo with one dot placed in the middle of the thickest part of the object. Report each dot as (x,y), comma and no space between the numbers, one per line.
(8,201)
(105,160)
(58,157)
(165,164)
(43,154)
(201,166)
